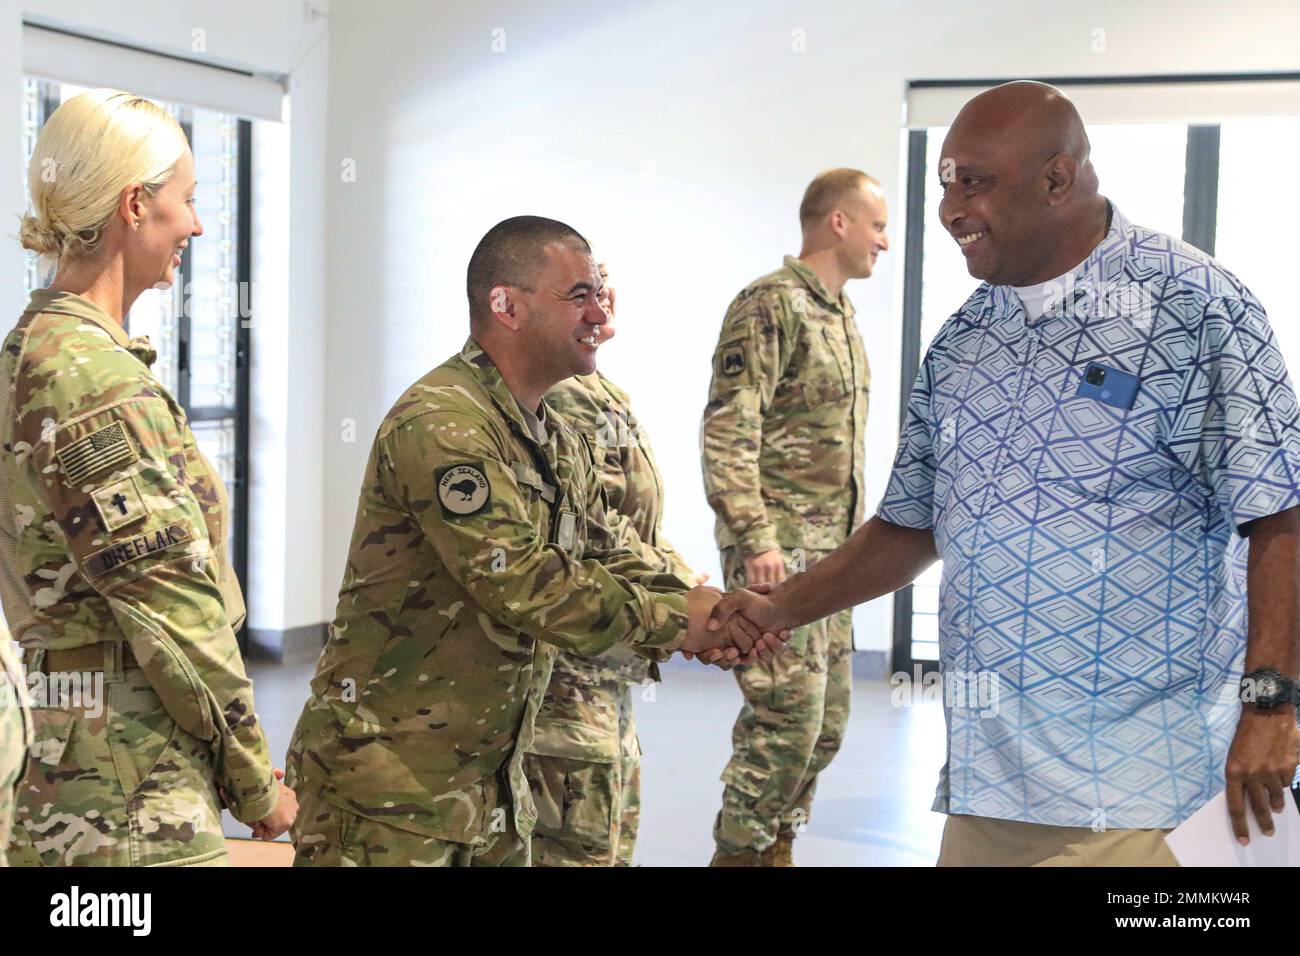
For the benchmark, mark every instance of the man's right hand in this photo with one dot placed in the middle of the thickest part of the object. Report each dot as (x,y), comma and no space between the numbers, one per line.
(765,568)
(739,643)
(754,605)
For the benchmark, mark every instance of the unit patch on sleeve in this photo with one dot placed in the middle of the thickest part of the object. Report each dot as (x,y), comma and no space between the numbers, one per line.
(463,489)
(733,360)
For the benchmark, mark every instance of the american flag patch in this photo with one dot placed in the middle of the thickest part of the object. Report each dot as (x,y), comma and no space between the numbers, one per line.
(109,447)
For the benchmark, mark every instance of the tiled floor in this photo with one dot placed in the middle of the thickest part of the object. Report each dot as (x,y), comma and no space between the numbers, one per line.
(872,804)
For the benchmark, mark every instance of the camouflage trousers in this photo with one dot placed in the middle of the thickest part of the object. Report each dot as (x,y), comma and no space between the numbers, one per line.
(327,835)
(115,782)
(588,810)
(790,727)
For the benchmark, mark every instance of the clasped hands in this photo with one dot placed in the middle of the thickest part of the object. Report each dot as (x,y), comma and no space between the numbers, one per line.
(740,627)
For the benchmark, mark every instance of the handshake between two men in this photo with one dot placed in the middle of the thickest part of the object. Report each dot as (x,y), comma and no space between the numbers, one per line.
(733,628)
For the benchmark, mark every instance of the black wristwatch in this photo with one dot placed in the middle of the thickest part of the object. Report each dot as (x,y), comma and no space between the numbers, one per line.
(1267,688)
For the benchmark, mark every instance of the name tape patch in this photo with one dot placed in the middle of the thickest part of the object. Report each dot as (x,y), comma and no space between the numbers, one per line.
(143,545)
(105,448)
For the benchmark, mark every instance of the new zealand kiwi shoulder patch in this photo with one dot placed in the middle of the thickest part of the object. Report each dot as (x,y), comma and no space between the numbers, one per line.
(463,489)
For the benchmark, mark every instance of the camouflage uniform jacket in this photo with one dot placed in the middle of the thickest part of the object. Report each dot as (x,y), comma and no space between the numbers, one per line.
(118,529)
(576,719)
(782,434)
(480,546)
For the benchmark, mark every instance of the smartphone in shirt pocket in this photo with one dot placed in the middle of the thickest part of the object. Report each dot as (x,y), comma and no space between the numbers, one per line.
(1108,385)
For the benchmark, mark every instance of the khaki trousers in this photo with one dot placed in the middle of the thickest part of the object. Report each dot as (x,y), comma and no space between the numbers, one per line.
(984,841)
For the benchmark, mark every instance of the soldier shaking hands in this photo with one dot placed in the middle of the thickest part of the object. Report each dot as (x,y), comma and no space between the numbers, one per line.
(481,545)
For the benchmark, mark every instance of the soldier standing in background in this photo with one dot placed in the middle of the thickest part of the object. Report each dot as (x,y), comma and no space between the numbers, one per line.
(783,457)
(585,762)
(15,733)
(481,544)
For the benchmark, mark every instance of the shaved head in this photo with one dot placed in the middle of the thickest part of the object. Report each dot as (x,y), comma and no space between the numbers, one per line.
(1032,120)
(512,253)
(1020,191)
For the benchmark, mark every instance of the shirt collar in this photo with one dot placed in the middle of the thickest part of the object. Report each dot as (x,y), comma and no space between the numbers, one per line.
(1104,265)
(69,303)
(489,376)
(814,284)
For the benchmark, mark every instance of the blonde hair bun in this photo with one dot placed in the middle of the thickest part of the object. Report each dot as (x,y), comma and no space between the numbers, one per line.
(39,237)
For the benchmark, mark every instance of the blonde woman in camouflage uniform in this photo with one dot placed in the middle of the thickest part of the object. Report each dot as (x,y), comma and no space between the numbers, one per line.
(113,567)
(585,762)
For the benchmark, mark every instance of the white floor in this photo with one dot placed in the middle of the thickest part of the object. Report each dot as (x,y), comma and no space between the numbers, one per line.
(872,805)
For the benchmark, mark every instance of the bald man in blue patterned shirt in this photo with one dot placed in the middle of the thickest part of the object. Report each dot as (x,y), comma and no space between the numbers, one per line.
(1103,446)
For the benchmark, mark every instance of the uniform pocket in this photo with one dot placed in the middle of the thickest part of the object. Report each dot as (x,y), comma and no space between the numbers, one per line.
(546,779)
(52,729)
(823,392)
(166,774)
(574,740)
(574,798)
(744,778)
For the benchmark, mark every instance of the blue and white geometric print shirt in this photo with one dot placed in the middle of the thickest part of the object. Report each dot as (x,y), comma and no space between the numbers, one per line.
(1087,477)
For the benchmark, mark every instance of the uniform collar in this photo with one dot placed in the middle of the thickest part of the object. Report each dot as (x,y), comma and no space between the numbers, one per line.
(1104,266)
(489,376)
(815,286)
(69,303)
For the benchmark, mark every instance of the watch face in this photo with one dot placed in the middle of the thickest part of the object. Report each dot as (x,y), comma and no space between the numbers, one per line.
(1267,689)
(1263,688)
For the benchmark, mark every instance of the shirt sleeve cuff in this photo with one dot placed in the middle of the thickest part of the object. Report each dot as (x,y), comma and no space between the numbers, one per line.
(907,515)
(668,622)
(256,804)
(758,540)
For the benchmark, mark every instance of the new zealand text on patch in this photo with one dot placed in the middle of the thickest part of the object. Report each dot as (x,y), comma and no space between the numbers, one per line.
(108,447)
(151,542)
(463,489)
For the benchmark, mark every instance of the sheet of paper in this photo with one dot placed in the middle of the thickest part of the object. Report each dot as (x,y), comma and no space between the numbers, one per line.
(1206,838)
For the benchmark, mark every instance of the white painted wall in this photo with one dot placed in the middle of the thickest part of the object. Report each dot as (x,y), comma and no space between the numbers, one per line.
(267,36)
(678,137)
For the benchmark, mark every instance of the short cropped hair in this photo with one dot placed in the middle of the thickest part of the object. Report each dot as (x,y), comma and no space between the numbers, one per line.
(510,253)
(828,190)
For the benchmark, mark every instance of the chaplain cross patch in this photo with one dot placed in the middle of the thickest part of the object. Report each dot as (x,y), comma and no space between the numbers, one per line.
(108,447)
(119,504)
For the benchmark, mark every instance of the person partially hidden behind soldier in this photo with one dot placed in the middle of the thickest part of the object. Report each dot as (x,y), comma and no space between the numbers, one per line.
(585,761)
